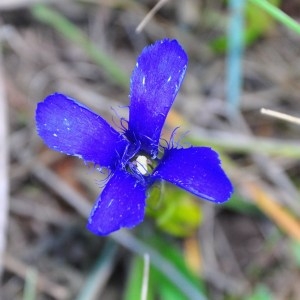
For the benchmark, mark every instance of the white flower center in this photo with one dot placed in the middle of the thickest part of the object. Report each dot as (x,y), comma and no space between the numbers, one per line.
(141,164)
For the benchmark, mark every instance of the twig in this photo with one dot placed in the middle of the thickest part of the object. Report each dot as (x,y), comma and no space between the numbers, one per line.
(14,4)
(53,181)
(3,163)
(70,31)
(98,277)
(124,238)
(280,115)
(272,170)
(52,289)
(150,15)
(244,143)
(275,211)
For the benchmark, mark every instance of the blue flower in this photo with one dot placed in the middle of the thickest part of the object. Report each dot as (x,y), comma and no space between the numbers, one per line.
(134,157)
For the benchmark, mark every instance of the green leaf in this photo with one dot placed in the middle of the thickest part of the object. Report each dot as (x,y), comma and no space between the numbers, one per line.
(261,292)
(175,211)
(257,23)
(277,14)
(169,292)
(135,279)
(30,289)
(295,249)
(166,289)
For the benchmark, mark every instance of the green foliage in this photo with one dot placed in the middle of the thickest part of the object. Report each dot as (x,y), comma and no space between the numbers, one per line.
(295,249)
(261,292)
(277,14)
(160,286)
(135,279)
(257,23)
(30,289)
(175,211)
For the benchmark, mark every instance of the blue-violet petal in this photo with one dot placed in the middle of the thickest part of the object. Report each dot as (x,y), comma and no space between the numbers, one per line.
(69,127)
(155,82)
(121,204)
(197,170)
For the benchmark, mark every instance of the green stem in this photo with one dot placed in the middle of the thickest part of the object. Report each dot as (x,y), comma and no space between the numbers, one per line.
(30,284)
(278,14)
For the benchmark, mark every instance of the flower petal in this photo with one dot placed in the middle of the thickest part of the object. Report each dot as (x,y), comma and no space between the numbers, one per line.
(197,170)
(121,204)
(69,127)
(155,82)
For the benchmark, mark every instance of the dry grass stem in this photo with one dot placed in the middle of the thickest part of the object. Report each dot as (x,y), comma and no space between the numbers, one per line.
(150,15)
(280,115)
(4,161)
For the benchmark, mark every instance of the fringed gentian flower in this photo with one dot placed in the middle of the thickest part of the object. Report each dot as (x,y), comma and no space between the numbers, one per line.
(134,157)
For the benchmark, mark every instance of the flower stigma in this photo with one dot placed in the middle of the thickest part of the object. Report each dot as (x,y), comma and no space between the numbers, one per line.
(142,164)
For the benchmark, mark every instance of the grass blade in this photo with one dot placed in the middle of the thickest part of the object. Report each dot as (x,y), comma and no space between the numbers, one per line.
(278,14)
(100,273)
(30,284)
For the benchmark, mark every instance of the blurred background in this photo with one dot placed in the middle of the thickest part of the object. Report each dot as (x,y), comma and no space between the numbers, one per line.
(243,56)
